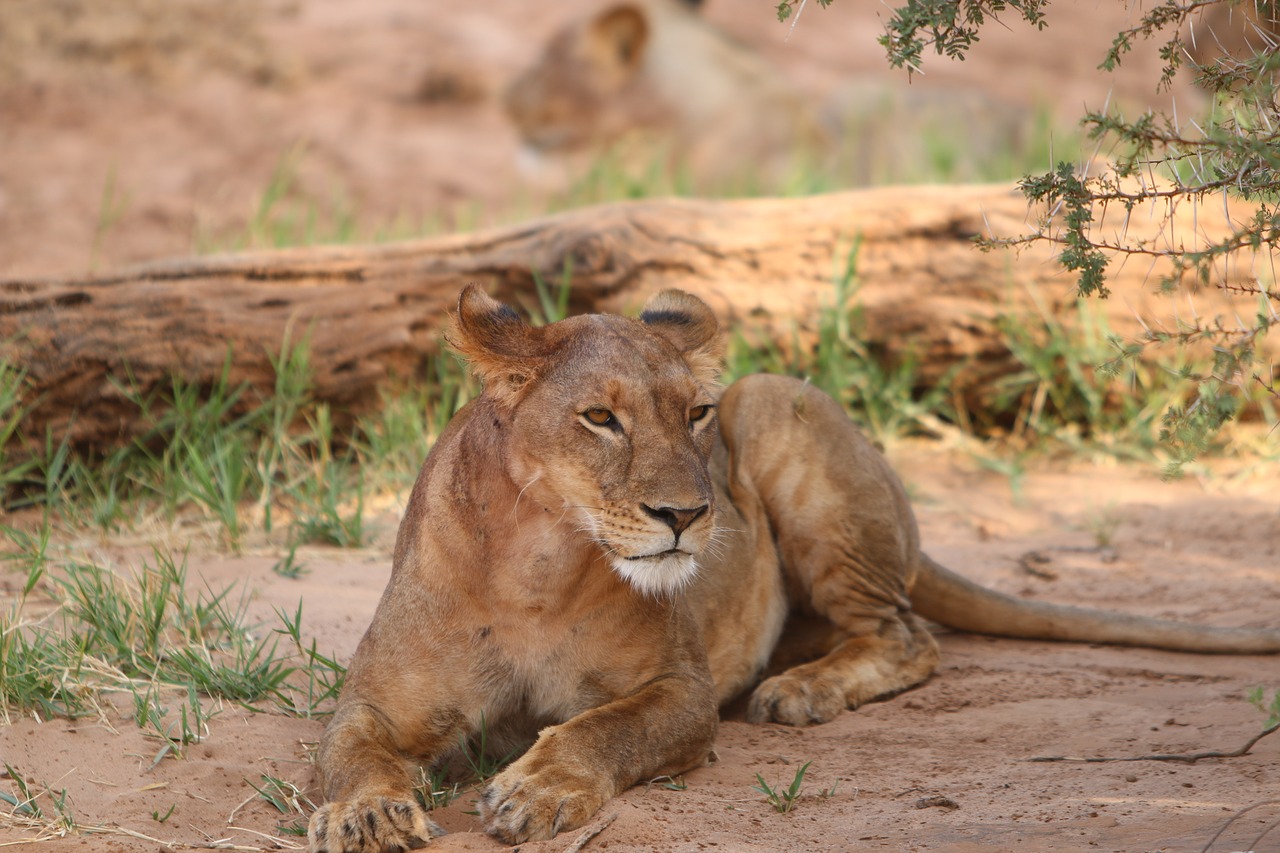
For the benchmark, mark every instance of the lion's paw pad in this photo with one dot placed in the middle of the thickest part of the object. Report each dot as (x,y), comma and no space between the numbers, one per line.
(795,700)
(516,808)
(371,825)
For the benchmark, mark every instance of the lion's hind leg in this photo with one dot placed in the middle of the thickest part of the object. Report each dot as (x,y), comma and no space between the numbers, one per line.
(847,540)
(892,655)
(854,579)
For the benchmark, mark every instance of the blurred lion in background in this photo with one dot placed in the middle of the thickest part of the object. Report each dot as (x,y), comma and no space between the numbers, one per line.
(652,81)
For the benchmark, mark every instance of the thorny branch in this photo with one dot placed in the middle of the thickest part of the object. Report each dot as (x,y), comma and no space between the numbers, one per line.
(1235,150)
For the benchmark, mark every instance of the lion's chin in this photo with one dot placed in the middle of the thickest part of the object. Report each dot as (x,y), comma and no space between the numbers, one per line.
(659,575)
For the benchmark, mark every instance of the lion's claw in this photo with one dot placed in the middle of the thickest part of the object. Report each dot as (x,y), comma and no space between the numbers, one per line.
(371,825)
(516,807)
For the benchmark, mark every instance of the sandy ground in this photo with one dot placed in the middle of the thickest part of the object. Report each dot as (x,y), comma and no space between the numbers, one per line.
(123,141)
(943,767)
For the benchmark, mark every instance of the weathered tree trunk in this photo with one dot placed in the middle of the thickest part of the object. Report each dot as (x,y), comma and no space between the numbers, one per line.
(372,311)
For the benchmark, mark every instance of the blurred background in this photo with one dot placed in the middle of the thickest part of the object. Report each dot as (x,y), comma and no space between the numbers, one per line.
(140,129)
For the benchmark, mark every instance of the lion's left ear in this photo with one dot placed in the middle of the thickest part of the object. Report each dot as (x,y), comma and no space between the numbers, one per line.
(691,327)
(502,349)
(616,41)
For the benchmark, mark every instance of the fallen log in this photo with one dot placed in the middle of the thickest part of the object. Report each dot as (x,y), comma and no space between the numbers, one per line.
(375,311)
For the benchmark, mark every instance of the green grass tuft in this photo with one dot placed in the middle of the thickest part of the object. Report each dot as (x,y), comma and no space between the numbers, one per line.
(886,398)
(782,799)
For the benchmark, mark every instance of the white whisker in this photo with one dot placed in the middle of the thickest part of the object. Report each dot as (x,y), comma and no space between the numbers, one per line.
(536,478)
(717,541)
(715,548)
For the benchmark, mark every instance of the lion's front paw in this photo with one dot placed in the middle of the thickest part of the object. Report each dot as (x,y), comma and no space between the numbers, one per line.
(370,825)
(796,700)
(519,805)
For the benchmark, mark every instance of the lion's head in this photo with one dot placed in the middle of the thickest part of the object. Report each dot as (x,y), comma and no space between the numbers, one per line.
(587,88)
(609,421)
(654,87)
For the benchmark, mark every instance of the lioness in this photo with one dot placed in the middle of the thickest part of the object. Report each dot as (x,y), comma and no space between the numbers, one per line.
(602,549)
(640,78)
(644,78)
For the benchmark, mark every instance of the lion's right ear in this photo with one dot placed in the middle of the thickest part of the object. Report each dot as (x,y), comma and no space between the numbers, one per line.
(504,351)
(690,326)
(617,39)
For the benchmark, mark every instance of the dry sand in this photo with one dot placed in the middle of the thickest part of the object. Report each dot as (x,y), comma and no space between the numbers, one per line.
(942,767)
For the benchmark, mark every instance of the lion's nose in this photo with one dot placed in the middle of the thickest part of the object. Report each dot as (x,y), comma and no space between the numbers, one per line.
(674,517)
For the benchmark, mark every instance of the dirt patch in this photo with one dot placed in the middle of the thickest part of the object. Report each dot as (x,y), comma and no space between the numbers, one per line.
(943,767)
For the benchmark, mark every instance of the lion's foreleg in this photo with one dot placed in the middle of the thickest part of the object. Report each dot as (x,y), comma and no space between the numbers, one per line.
(666,727)
(372,805)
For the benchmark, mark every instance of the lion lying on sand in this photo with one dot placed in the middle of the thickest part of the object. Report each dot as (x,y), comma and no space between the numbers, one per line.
(602,550)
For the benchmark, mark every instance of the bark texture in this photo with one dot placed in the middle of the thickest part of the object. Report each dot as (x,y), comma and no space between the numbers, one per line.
(373,311)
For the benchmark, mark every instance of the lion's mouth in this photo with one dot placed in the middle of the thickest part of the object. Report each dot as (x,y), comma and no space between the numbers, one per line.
(661,574)
(670,552)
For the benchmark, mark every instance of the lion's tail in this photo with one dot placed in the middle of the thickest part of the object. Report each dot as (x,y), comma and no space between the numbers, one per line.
(944,596)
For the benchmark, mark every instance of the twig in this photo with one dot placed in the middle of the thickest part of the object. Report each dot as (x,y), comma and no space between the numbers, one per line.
(585,838)
(1189,758)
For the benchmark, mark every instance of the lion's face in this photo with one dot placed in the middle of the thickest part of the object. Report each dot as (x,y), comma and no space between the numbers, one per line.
(611,423)
(619,435)
(553,104)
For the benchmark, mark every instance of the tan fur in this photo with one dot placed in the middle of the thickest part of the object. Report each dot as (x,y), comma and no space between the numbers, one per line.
(542,588)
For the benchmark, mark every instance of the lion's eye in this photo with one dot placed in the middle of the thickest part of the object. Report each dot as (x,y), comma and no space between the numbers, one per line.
(697,413)
(600,417)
